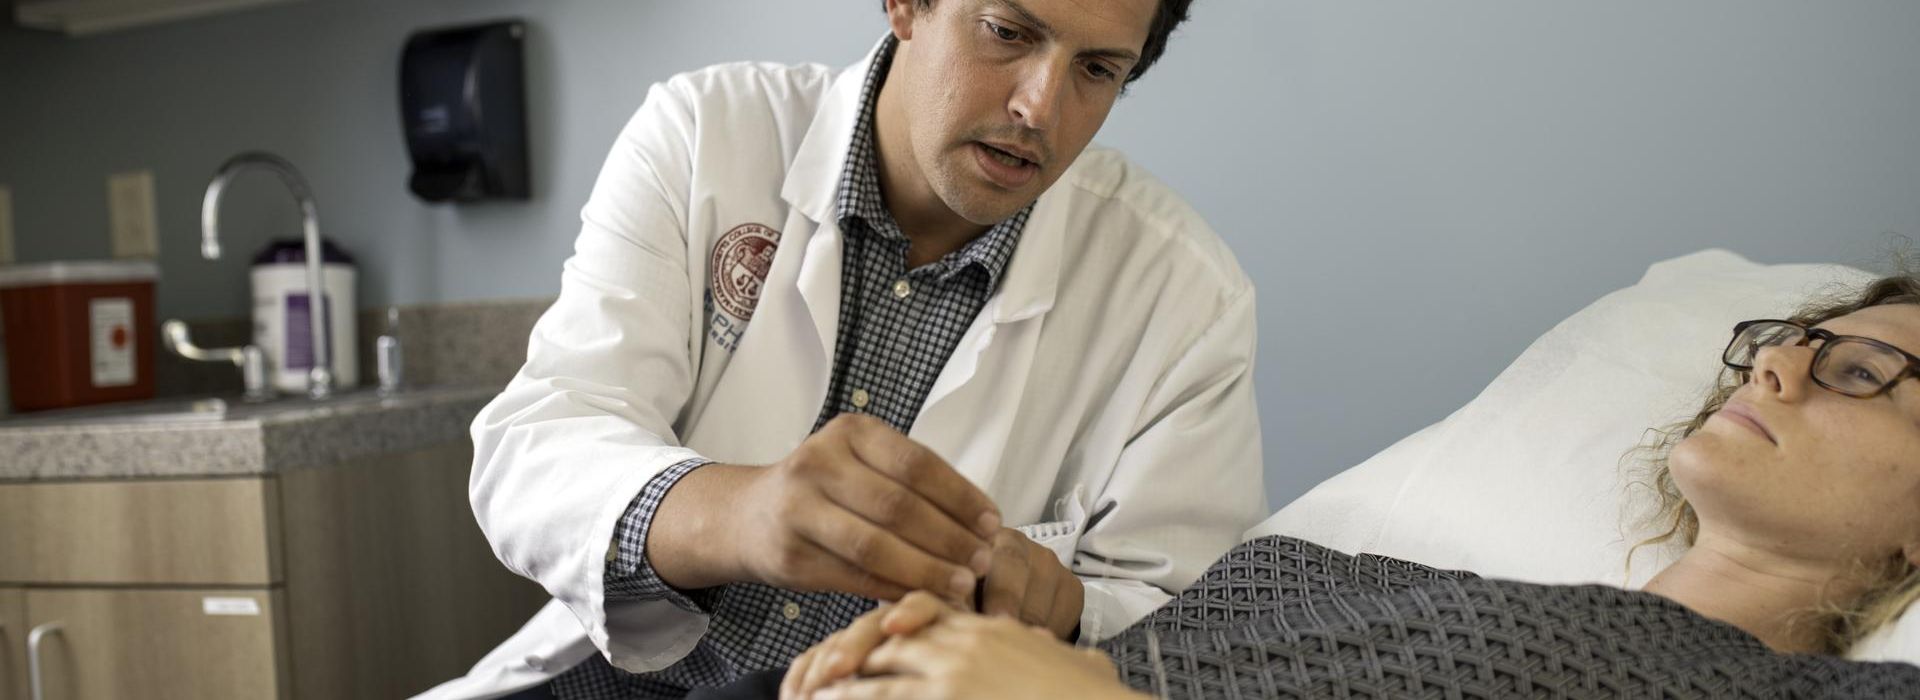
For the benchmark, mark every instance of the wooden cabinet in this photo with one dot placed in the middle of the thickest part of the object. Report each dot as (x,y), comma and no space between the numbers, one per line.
(360,580)
(184,532)
(13,642)
(161,644)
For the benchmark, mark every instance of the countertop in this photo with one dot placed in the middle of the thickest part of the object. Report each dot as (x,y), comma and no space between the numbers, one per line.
(226,437)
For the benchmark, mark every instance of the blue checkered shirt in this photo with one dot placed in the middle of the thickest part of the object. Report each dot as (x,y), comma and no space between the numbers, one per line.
(897,328)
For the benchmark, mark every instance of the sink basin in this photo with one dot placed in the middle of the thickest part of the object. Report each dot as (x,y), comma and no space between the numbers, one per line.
(203,409)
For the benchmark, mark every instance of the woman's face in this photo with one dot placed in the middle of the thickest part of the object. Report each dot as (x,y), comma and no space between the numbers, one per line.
(1796,469)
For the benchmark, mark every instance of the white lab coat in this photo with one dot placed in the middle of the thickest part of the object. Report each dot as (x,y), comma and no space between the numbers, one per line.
(1111,369)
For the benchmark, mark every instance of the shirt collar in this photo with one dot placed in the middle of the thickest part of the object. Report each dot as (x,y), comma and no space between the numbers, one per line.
(860,196)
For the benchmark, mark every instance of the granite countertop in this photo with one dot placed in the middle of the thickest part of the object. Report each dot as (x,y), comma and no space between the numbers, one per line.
(216,437)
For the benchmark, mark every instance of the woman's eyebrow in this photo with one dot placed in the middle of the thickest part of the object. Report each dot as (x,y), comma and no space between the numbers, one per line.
(1874,331)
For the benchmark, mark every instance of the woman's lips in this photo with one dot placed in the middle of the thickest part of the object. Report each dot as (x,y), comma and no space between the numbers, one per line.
(1744,415)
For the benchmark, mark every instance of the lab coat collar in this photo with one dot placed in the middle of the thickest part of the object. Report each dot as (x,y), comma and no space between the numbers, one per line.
(1033,277)
(815,174)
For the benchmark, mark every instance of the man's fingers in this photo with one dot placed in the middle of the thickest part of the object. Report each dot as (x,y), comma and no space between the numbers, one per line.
(872,549)
(827,571)
(1006,584)
(1069,599)
(918,468)
(1043,576)
(909,514)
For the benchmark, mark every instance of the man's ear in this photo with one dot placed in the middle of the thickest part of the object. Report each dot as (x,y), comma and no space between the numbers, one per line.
(900,16)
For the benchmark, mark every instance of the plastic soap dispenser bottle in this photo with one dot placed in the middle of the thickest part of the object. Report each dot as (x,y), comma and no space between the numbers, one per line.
(280,308)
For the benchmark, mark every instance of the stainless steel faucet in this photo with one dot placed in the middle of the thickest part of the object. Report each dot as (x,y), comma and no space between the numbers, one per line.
(320,375)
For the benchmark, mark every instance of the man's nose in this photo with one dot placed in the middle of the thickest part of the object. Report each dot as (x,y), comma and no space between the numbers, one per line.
(1036,100)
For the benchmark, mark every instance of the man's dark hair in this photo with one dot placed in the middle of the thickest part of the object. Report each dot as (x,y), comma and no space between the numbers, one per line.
(1165,19)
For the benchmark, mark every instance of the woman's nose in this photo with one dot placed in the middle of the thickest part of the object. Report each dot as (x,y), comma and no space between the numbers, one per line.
(1784,371)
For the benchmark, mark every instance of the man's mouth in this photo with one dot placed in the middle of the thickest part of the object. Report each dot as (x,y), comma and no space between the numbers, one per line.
(1007,167)
(1009,156)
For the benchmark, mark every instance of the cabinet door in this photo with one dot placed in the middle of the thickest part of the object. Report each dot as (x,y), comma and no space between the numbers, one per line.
(16,533)
(160,644)
(391,587)
(175,532)
(13,644)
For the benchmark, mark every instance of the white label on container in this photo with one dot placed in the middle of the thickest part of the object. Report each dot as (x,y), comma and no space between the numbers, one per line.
(113,339)
(229,606)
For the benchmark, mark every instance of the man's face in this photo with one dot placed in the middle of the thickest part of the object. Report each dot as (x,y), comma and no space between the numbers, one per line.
(1002,95)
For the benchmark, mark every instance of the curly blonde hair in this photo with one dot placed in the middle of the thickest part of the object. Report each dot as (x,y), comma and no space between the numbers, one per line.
(1897,581)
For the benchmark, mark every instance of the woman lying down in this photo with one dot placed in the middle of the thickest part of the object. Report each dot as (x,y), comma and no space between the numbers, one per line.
(1797,489)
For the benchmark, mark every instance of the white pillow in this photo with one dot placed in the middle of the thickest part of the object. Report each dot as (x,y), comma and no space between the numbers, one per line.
(1526,481)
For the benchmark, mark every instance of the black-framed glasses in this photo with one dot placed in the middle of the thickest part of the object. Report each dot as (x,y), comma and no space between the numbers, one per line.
(1847,364)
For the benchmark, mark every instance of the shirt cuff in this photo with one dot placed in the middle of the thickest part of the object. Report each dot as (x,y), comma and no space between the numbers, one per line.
(630,577)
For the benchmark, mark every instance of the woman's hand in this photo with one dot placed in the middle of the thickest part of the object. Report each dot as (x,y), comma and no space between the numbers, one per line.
(970,656)
(840,655)
(922,649)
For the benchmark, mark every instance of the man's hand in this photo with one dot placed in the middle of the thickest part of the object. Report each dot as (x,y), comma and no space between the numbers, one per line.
(857,508)
(1027,582)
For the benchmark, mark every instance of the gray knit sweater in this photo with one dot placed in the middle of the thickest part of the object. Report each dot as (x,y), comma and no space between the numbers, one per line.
(1281,618)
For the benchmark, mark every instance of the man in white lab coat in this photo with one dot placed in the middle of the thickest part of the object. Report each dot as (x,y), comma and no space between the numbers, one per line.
(826,339)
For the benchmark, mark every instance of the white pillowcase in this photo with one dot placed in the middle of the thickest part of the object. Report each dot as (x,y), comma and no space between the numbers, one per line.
(1527,481)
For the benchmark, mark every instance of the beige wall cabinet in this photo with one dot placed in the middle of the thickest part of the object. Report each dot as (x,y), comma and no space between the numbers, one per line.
(13,642)
(160,644)
(360,580)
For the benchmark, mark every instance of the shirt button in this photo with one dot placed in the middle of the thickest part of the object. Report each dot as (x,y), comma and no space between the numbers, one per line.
(861,398)
(901,289)
(791,611)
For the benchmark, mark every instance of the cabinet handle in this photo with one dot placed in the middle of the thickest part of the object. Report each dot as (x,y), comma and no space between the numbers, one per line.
(33,657)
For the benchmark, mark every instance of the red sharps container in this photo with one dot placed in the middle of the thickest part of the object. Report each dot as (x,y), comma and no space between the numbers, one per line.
(79,332)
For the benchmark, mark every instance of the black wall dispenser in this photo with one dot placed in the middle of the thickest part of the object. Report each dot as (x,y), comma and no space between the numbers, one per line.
(463,103)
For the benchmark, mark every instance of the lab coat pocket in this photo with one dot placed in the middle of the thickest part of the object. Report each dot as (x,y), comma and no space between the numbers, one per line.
(1058,536)
(1061,535)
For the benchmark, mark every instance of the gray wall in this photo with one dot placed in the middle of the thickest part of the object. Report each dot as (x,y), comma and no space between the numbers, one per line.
(1418,188)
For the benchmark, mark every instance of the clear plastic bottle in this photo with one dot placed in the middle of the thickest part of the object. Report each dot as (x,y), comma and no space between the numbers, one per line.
(389,363)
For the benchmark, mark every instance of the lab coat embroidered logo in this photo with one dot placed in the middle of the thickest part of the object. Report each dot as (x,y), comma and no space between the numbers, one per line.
(741,260)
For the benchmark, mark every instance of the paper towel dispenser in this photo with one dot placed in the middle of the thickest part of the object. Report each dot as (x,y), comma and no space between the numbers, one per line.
(463,103)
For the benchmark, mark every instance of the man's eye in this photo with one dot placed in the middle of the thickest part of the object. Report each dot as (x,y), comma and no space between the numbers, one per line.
(1100,71)
(1003,33)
